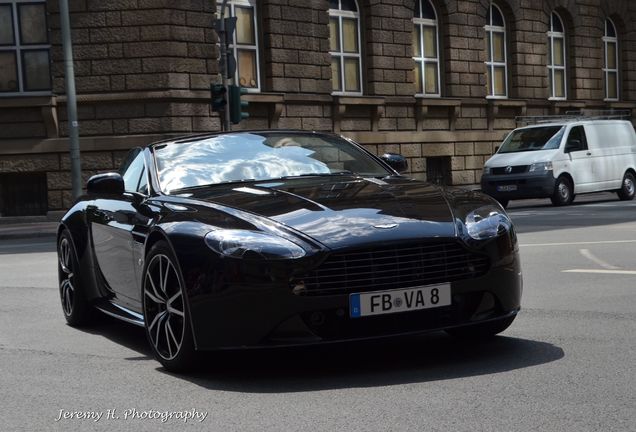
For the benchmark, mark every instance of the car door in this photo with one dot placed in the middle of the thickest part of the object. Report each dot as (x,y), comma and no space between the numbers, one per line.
(581,160)
(118,225)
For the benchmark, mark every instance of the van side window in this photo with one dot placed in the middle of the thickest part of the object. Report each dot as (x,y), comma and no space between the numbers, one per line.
(577,141)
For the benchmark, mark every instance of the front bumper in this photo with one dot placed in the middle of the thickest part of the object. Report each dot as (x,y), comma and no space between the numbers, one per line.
(271,315)
(528,185)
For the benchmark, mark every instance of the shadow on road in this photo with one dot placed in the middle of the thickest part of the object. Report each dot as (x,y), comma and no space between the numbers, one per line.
(426,358)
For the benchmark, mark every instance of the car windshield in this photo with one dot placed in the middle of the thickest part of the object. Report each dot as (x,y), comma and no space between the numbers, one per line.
(241,157)
(531,139)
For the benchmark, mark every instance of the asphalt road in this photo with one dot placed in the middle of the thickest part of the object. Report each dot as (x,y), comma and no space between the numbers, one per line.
(566,364)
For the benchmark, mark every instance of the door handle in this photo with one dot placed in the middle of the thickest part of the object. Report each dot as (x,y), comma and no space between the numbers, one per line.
(589,153)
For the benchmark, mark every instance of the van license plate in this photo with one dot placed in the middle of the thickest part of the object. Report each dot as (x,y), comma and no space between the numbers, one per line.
(506,188)
(401,300)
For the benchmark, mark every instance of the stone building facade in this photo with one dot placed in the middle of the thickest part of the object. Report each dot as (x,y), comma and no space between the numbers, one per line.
(440,81)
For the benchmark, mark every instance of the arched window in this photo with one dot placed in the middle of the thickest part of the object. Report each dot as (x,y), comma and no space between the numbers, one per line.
(556,58)
(244,43)
(610,40)
(496,64)
(344,47)
(426,49)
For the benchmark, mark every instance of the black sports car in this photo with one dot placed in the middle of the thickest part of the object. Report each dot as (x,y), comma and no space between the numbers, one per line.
(275,238)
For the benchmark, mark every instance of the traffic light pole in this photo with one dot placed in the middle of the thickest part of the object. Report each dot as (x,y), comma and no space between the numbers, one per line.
(224,74)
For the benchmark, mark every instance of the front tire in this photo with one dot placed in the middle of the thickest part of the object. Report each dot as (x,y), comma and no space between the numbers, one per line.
(563,192)
(76,308)
(628,188)
(482,331)
(166,316)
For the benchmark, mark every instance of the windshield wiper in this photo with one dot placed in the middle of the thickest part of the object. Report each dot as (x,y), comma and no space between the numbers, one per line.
(337,173)
(207,185)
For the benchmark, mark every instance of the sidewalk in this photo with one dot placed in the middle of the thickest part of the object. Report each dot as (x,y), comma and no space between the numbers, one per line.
(27,228)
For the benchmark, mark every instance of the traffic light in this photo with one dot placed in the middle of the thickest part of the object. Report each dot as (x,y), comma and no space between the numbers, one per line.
(219,97)
(237,106)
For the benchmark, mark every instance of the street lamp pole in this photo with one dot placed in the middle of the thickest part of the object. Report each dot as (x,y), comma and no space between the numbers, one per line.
(71,100)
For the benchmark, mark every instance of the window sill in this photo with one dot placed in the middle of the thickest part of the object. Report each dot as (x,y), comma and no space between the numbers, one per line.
(47,105)
(423,104)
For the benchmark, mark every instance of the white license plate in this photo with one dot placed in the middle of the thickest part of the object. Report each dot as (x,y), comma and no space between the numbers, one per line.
(401,300)
(506,188)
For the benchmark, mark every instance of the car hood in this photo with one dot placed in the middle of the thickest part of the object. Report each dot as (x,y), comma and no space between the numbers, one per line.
(344,211)
(520,158)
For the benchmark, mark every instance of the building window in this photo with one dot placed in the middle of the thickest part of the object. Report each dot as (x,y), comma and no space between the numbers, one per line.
(610,40)
(344,40)
(496,65)
(24,48)
(426,48)
(244,43)
(556,58)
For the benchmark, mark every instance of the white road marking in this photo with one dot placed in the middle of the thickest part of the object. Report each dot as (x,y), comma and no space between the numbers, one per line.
(578,243)
(587,254)
(619,272)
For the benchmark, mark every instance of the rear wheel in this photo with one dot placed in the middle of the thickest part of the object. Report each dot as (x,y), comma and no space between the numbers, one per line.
(627,190)
(563,192)
(76,308)
(482,331)
(165,310)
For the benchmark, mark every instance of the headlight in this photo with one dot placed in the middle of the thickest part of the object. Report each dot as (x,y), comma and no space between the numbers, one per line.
(487,222)
(252,244)
(486,170)
(540,167)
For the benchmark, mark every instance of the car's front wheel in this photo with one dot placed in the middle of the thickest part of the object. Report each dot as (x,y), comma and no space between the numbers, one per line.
(482,331)
(563,192)
(76,308)
(165,310)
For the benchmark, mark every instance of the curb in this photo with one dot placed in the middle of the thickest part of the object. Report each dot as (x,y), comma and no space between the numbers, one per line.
(27,235)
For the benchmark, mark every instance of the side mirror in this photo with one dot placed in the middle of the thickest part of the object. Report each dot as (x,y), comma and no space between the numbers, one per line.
(108,183)
(573,145)
(396,161)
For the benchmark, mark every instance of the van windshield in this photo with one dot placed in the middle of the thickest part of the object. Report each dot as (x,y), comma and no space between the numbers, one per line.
(538,138)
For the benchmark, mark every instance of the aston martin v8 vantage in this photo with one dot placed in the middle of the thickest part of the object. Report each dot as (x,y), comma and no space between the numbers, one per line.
(279,238)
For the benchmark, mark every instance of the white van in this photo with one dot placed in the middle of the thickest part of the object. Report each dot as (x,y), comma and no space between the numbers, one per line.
(559,160)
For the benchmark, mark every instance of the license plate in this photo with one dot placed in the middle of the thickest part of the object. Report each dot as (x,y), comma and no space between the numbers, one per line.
(506,188)
(401,300)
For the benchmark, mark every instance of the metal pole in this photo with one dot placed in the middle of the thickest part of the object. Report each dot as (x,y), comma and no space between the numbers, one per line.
(71,100)
(224,77)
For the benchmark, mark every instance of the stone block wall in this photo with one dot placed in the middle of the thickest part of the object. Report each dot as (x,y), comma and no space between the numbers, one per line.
(143,70)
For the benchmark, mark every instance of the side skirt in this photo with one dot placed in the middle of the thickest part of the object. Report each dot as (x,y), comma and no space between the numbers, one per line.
(120,312)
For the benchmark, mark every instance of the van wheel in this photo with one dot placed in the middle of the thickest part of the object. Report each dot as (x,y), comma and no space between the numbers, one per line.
(563,194)
(627,190)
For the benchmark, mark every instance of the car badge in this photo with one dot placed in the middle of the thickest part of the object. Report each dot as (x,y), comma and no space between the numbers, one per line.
(508,169)
(385,226)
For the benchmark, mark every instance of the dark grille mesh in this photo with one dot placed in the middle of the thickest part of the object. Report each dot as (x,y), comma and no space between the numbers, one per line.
(393,267)
(514,170)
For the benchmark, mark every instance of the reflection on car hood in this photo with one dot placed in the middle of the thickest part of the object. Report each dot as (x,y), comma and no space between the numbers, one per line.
(344,211)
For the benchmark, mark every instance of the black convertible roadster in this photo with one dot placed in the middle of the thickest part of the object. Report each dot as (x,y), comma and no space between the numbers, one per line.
(278,238)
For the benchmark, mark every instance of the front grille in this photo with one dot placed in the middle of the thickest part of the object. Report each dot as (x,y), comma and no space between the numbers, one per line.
(392,267)
(517,169)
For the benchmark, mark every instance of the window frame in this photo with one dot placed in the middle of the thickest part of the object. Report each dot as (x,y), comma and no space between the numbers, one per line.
(235,47)
(552,67)
(490,63)
(420,58)
(18,48)
(606,71)
(341,54)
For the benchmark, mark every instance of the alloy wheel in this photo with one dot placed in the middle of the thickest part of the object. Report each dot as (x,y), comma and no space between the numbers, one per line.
(164,308)
(67,289)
